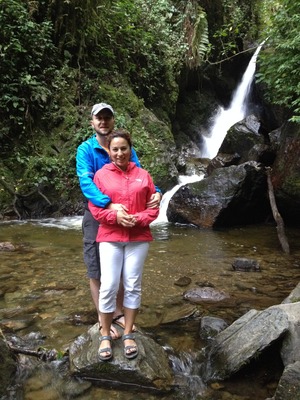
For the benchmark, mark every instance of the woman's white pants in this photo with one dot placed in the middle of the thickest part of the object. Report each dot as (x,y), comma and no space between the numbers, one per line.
(126,260)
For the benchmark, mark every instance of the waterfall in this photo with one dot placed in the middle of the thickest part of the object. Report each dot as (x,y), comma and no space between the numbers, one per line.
(223,120)
(237,111)
(183,180)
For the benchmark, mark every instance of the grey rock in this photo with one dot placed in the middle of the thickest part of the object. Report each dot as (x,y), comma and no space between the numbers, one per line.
(150,369)
(289,385)
(244,340)
(198,295)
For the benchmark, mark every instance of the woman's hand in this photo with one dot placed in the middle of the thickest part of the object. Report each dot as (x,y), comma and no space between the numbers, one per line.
(124,219)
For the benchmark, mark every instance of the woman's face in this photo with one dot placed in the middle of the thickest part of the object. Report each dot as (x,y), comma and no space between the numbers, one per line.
(120,152)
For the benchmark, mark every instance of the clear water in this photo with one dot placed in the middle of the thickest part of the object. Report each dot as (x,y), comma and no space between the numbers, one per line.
(45,279)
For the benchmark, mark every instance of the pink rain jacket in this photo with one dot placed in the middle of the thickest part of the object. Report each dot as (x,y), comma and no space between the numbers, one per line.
(133,189)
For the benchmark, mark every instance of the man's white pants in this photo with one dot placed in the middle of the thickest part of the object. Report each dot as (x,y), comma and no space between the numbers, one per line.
(126,260)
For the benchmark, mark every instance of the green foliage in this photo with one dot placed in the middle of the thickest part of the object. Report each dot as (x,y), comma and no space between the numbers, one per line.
(59,56)
(26,69)
(280,61)
(238,25)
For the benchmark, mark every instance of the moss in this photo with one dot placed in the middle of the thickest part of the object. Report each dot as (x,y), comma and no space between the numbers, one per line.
(292,185)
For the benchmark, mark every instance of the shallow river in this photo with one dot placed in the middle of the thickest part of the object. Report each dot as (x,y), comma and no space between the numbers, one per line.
(45,278)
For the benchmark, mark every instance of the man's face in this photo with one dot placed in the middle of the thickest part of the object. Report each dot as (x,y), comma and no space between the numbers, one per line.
(103,122)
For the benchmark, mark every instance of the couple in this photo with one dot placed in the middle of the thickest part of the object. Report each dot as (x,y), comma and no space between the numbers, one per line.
(123,198)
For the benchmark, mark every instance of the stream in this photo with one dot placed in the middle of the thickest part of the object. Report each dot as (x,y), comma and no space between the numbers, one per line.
(43,289)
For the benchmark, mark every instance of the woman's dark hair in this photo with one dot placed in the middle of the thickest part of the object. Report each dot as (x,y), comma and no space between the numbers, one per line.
(122,133)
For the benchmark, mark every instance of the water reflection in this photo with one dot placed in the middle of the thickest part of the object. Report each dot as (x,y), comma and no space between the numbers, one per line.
(45,279)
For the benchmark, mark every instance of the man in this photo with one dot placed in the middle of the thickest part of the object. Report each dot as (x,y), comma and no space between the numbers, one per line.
(91,156)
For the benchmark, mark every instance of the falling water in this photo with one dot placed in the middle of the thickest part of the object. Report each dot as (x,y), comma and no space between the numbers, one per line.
(183,180)
(237,110)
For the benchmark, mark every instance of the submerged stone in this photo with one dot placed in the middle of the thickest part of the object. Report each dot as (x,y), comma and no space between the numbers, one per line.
(198,295)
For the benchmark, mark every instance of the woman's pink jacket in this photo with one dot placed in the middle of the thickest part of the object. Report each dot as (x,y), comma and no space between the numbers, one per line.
(133,189)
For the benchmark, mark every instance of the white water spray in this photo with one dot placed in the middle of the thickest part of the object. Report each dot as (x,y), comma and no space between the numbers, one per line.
(183,180)
(236,112)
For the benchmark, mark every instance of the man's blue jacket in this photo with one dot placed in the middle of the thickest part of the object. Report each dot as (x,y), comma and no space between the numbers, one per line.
(89,158)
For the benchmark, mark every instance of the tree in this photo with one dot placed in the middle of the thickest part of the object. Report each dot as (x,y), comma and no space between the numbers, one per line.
(279,63)
(26,69)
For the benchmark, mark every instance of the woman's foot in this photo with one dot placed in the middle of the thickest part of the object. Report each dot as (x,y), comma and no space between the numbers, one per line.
(130,346)
(105,351)
(114,333)
(120,321)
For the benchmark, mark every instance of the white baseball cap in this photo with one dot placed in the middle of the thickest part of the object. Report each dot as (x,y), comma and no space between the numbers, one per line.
(101,106)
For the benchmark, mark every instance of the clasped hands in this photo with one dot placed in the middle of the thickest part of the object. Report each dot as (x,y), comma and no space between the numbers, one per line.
(129,220)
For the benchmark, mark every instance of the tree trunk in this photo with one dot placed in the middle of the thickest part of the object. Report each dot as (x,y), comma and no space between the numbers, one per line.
(278,219)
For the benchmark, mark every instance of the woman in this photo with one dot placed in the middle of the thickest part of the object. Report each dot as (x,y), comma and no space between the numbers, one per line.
(124,237)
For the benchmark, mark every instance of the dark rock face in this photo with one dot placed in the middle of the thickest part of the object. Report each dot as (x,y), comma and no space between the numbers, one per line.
(286,174)
(242,137)
(230,196)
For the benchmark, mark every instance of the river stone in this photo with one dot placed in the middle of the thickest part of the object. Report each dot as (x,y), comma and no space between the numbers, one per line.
(149,370)
(7,246)
(183,281)
(198,295)
(245,264)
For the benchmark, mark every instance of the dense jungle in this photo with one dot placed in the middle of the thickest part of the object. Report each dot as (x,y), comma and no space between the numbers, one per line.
(167,67)
(60,57)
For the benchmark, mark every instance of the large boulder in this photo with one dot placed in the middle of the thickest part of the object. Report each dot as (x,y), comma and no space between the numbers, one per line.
(150,369)
(230,196)
(244,340)
(242,137)
(248,337)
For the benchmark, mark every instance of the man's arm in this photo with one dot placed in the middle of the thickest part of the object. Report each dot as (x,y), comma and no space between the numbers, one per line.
(85,172)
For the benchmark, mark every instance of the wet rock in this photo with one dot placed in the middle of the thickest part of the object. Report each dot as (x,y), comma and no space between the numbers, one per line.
(183,281)
(247,337)
(177,313)
(242,137)
(223,160)
(211,326)
(246,265)
(294,296)
(286,174)
(230,196)
(198,295)
(205,284)
(17,325)
(149,370)
(169,312)
(289,385)
(8,367)
(7,246)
